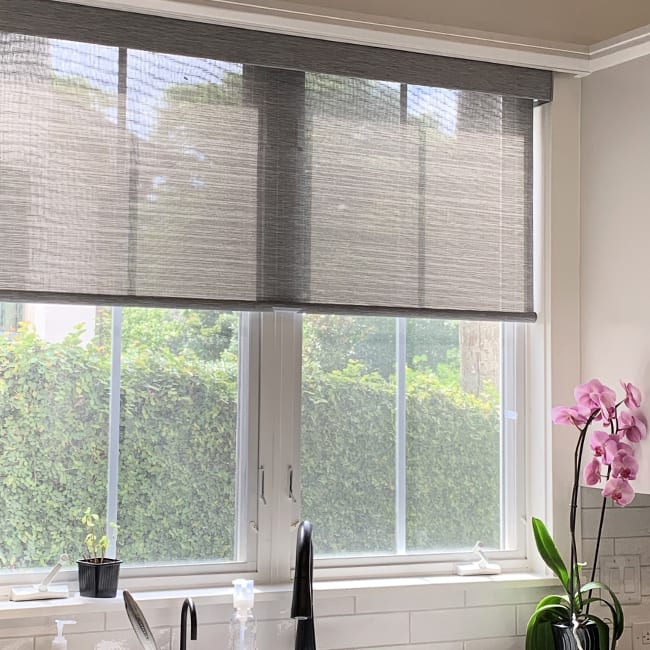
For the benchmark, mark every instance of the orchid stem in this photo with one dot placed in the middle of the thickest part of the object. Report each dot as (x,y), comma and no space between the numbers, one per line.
(600,532)
(574,577)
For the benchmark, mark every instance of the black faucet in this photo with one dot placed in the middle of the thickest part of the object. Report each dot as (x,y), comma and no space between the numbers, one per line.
(302,608)
(188,603)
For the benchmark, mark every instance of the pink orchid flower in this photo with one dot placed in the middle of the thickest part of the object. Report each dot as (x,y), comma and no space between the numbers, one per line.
(592,472)
(595,395)
(624,448)
(569,415)
(631,426)
(604,446)
(619,490)
(625,466)
(632,395)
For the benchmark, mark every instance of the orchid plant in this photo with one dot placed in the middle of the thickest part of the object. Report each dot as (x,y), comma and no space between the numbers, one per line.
(613,461)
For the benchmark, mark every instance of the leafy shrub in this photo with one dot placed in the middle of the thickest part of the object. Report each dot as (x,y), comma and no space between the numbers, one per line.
(178,449)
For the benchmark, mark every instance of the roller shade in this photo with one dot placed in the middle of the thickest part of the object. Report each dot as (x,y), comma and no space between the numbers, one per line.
(145,160)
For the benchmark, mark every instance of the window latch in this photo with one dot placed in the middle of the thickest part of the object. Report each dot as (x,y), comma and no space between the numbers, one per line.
(261,484)
(290,487)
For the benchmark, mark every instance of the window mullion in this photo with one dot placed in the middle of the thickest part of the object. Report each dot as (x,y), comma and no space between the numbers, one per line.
(400,436)
(114,421)
(279,425)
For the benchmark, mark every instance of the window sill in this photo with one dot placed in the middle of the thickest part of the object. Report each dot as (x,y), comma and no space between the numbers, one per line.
(323,590)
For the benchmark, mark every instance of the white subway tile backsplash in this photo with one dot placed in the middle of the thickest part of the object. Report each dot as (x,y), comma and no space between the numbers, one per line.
(454,645)
(409,599)
(632,522)
(524,612)
(333,606)
(16,644)
(591,498)
(456,624)
(508,643)
(277,634)
(269,610)
(362,630)
(633,546)
(210,637)
(43,625)
(506,595)
(106,640)
(589,546)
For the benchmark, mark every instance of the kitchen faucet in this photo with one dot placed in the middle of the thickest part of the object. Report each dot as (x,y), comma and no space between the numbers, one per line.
(188,604)
(302,603)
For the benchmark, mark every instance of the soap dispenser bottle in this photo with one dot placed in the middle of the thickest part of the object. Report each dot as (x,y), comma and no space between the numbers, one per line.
(60,642)
(243,627)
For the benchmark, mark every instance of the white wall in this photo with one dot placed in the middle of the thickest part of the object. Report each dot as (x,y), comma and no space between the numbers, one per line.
(54,322)
(614,276)
(615,216)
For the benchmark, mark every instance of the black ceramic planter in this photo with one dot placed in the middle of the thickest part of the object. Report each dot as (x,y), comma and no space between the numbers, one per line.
(98,579)
(587,633)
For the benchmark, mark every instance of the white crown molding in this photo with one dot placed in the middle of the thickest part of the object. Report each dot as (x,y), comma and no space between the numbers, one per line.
(578,60)
(623,48)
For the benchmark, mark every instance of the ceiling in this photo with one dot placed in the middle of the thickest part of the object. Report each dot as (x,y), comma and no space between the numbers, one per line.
(582,22)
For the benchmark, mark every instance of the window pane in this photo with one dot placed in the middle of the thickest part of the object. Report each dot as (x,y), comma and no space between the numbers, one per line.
(177,480)
(348,433)
(447,411)
(453,439)
(178,432)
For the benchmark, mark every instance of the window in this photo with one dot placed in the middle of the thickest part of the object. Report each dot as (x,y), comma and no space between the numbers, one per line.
(269,278)
(134,412)
(400,439)
(10,317)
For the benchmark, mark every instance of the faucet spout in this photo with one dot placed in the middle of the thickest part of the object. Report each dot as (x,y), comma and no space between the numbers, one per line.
(302,608)
(188,605)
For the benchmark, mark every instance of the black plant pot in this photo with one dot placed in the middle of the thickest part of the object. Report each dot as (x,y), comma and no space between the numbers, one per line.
(98,579)
(588,634)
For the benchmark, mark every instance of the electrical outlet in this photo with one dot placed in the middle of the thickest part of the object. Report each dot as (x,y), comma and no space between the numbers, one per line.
(641,636)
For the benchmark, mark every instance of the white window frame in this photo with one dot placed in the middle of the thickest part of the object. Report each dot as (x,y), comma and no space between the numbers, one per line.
(200,573)
(192,573)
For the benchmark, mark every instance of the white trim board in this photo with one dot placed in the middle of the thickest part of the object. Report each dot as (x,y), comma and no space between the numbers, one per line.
(570,58)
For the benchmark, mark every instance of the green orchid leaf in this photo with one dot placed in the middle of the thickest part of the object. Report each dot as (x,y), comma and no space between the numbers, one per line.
(549,553)
(618,619)
(603,633)
(604,603)
(539,636)
(552,612)
(553,599)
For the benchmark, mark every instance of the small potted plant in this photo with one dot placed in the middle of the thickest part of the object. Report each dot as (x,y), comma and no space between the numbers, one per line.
(98,574)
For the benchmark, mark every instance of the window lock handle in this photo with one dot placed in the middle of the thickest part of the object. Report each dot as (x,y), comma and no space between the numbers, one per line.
(290,495)
(261,484)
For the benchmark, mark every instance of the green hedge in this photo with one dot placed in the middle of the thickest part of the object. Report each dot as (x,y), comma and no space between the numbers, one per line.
(348,465)
(177,457)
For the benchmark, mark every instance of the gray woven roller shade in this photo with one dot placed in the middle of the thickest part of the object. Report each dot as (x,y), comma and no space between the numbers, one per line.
(145,160)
